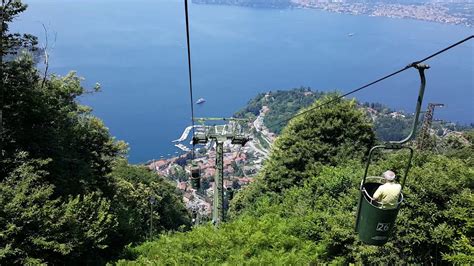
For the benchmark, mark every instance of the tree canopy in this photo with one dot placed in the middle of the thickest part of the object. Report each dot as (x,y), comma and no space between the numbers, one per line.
(327,135)
(314,222)
(302,207)
(67,193)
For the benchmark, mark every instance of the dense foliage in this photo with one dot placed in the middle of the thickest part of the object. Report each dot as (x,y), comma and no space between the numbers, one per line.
(282,105)
(313,223)
(134,185)
(326,136)
(392,129)
(302,211)
(36,227)
(389,125)
(66,191)
(258,242)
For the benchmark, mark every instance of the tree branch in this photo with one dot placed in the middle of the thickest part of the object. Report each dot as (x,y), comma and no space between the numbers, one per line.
(46,56)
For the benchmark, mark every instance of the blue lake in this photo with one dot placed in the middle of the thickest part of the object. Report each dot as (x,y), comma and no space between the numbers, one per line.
(137,51)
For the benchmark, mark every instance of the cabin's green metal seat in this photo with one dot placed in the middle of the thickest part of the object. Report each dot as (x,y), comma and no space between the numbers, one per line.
(375,220)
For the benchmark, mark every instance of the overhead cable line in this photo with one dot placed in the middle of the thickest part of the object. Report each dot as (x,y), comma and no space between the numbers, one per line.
(374,82)
(189,71)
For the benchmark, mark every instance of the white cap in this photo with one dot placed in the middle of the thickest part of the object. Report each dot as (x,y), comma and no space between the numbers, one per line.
(389,175)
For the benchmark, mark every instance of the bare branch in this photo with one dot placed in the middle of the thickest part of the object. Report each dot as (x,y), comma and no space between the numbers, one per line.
(46,55)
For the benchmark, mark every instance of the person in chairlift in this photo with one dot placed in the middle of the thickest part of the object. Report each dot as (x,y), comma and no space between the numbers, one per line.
(388,193)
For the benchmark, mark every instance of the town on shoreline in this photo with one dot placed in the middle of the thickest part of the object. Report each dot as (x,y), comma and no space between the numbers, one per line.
(458,13)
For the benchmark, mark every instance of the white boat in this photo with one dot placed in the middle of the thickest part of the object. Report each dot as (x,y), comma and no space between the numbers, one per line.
(200,101)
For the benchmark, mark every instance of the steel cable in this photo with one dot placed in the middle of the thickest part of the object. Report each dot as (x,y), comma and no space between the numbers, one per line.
(373,82)
(189,71)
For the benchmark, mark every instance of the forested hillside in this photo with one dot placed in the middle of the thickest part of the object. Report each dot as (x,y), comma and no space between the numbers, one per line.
(282,105)
(67,193)
(389,124)
(69,196)
(301,209)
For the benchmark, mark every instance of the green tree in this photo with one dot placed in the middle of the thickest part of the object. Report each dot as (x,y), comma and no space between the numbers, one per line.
(392,129)
(47,122)
(67,195)
(282,105)
(266,241)
(36,227)
(134,185)
(325,136)
(461,147)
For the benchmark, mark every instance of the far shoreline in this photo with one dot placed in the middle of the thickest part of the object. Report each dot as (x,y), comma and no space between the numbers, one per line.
(455,20)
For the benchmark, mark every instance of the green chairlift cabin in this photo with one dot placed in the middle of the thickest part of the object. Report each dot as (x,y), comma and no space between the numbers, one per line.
(199,137)
(195,176)
(229,193)
(374,221)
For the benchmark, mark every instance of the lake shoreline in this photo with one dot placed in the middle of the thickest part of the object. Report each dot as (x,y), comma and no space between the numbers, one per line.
(237,53)
(427,12)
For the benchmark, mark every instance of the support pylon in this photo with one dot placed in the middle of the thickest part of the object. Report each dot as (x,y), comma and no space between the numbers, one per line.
(220,134)
(218,215)
(425,130)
